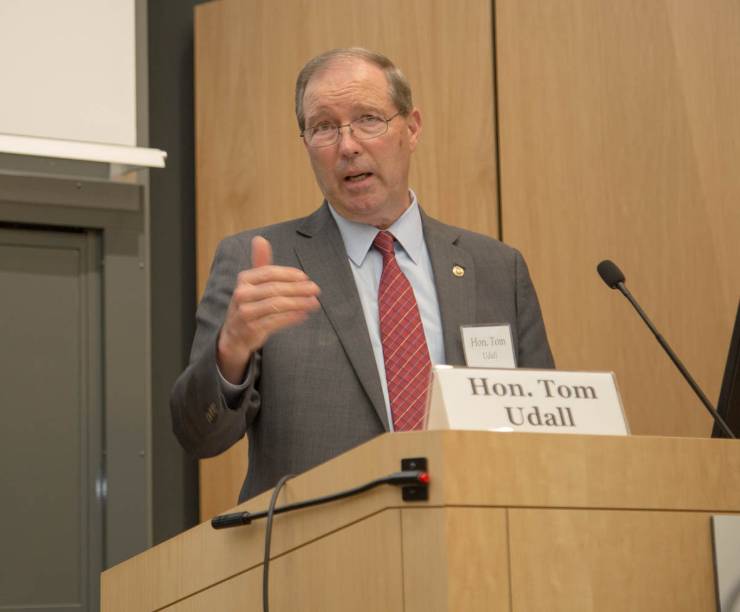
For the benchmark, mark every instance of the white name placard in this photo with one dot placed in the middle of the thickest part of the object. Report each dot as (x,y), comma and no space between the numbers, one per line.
(546,401)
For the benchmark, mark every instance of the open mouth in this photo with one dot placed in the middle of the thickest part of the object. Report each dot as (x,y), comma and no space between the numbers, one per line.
(356,178)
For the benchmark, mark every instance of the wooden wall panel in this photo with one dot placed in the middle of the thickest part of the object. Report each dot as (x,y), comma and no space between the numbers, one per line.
(620,138)
(251,166)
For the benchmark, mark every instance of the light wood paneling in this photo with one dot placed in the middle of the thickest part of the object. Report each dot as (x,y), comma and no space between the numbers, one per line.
(355,568)
(587,516)
(251,166)
(619,138)
(593,471)
(221,480)
(602,561)
(469,544)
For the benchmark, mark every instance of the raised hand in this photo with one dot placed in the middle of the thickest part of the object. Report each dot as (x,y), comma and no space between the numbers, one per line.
(266,299)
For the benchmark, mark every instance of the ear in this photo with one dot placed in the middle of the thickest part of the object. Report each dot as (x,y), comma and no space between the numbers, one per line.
(413,124)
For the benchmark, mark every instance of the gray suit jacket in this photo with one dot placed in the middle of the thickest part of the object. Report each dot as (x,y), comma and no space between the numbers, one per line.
(317,392)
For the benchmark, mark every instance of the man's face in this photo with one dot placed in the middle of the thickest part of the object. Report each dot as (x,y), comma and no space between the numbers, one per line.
(365,180)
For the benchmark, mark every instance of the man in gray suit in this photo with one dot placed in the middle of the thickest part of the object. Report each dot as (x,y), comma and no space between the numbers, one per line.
(288,347)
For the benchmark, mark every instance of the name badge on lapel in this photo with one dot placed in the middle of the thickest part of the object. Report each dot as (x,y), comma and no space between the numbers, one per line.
(488,346)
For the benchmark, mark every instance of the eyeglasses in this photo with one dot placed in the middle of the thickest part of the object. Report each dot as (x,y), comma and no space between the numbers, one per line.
(325,134)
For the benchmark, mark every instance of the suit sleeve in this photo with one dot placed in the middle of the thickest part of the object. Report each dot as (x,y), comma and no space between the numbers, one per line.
(203,421)
(533,347)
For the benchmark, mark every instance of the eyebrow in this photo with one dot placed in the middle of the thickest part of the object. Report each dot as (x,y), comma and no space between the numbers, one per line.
(321,112)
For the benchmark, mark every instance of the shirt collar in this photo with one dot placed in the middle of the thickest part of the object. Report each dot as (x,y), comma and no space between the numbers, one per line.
(358,237)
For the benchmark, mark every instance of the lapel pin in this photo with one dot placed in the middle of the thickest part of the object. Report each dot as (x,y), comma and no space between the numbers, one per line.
(458,270)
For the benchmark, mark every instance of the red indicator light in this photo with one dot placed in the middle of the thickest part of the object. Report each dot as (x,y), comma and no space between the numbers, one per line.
(424,478)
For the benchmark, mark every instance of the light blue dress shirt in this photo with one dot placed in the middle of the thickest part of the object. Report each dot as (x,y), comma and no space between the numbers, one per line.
(412,256)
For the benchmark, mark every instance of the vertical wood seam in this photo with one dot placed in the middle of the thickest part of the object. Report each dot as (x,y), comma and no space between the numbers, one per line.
(496,125)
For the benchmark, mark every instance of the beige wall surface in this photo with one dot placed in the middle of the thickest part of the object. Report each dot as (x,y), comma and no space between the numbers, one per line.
(251,166)
(619,138)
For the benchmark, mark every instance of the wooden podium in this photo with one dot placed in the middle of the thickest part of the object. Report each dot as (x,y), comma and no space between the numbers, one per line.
(515,522)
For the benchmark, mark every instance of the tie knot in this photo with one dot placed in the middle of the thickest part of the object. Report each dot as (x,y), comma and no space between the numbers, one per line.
(384,243)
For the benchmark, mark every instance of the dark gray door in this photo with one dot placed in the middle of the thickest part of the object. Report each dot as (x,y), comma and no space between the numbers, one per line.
(52,485)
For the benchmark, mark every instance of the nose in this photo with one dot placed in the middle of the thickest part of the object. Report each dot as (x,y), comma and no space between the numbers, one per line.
(348,143)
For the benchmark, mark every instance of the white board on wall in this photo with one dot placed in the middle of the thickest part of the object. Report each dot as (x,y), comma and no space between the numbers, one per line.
(68,69)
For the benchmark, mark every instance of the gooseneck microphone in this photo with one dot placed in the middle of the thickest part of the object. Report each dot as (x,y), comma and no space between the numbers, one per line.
(614,278)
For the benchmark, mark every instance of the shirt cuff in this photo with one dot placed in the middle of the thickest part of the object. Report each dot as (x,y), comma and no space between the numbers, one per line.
(232,392)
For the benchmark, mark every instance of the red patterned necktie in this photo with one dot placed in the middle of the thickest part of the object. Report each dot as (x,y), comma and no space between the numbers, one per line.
(405,352)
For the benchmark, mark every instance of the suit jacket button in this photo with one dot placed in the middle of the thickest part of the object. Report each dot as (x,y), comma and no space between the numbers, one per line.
(211,413)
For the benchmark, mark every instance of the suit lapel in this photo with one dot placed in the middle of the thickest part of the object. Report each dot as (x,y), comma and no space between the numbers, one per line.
(456,294)
(324,258)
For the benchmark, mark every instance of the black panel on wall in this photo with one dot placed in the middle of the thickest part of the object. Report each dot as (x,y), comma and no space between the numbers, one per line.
(172,215)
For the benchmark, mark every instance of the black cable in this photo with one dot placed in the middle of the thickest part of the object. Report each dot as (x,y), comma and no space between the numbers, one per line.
(268,538)
(406,477)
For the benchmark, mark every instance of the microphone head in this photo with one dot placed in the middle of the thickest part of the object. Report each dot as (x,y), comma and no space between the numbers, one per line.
(610,273)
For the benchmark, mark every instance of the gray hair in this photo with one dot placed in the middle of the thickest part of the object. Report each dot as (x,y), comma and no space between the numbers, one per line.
(398,86)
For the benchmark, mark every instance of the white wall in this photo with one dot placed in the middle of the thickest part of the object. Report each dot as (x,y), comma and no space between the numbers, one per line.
(68,69)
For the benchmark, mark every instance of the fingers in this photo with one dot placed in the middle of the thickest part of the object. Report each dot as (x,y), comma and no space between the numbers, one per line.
(270,273)
(267,325)
(268,314)
(253,292)
(261,252)
(266,299)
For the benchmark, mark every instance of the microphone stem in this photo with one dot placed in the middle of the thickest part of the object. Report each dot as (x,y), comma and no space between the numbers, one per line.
(689,379)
